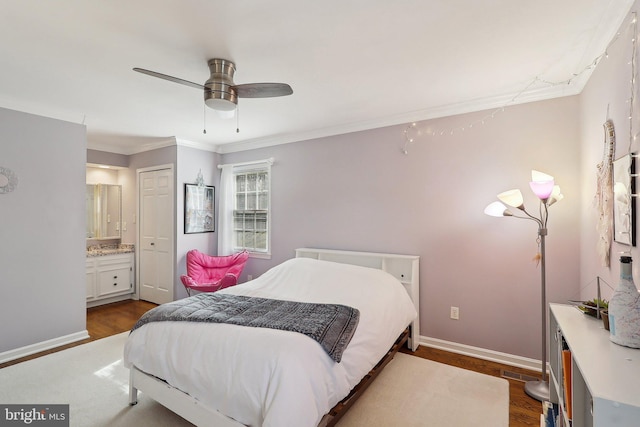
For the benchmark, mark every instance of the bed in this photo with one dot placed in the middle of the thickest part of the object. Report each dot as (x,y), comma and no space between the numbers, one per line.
(228,376)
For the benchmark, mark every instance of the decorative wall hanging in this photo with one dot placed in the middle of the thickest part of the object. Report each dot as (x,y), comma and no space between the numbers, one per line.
(624,215)
(198,208)
(603,199)
(624,169)
(8,180)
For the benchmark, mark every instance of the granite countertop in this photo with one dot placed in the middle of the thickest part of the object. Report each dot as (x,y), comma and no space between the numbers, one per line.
(111,249)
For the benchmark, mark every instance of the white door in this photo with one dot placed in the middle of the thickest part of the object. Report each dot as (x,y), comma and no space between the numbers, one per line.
(156,235)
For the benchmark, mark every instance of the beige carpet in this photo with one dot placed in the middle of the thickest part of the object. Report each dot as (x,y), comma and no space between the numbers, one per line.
(409,392)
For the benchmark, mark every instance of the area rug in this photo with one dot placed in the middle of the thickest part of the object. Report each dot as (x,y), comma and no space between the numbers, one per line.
(410,391)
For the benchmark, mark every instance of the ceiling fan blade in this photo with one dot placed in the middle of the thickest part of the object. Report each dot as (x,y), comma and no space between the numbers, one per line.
(262,90)
(170,78)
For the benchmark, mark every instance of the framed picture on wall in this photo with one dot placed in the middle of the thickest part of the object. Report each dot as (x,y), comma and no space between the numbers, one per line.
(199,208)
(624,209)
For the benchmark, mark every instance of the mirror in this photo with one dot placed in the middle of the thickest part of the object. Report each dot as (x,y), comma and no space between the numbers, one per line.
(624,215)
(103,204)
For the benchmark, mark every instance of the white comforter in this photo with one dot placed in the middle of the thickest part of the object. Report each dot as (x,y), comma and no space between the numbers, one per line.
(271,378)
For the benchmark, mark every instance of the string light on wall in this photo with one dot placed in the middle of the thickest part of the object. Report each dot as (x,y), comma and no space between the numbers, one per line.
(407,136)
(412,130)
(634,54)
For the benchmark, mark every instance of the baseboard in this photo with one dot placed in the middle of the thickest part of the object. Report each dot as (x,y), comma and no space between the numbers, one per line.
(42,346)
(103,301)
(481,353)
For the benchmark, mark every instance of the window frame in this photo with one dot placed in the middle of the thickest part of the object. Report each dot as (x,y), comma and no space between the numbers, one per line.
(247,170)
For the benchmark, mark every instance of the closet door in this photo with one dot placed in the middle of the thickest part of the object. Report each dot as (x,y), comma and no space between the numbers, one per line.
(156,202)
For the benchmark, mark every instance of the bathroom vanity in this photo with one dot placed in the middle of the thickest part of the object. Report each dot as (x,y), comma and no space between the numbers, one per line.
(109,264)
(110,274)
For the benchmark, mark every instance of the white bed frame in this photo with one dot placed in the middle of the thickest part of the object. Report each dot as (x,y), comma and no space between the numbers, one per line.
(404,267)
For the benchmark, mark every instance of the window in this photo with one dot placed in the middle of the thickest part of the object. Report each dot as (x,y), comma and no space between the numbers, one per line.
(251,209)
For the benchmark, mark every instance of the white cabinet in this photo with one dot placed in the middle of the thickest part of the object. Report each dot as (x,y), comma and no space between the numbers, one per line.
(605,377)
(91,278)
(109,278)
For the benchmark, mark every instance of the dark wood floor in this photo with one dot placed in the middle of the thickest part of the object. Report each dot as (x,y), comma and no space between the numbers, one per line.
(111,319)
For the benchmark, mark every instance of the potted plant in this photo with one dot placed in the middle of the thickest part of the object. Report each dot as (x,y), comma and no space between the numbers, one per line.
(591,308)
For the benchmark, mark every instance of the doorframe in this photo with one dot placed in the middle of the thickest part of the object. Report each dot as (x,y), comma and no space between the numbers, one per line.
(139,171)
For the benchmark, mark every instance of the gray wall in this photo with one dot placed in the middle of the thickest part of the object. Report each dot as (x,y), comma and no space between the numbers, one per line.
(42,254)
(190,161)
(105,158)
(359,191)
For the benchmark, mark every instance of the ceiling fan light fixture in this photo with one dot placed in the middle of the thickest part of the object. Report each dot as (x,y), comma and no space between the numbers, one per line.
(221,95)
(219,104)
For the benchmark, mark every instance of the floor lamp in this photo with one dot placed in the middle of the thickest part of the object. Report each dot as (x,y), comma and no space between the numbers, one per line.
(544,188)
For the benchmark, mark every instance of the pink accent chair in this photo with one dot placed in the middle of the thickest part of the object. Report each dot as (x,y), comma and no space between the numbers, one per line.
(206,273)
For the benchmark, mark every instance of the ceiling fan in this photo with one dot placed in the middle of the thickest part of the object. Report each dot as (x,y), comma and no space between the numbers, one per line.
(220,92)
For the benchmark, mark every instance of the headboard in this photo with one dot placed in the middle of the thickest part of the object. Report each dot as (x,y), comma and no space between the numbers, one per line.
(405,268)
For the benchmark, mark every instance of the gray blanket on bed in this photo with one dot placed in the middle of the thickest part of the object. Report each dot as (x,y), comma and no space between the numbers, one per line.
(331,325)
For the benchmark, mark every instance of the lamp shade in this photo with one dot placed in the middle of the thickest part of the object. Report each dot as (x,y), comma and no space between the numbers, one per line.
(497,209)
(556,195)
(542,189)
(540,176)
(512,198)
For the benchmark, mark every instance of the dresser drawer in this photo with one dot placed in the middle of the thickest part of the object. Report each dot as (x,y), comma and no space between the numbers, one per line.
(114,279)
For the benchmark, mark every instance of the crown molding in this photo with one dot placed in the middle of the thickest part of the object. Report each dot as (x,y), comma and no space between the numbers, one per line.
(111,147)
(204,146)
(498,102)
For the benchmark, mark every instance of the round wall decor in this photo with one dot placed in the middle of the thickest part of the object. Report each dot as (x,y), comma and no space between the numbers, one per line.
(8,180)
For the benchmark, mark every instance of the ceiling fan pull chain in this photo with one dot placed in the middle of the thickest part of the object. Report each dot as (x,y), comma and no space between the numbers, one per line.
(204,119)
(237,119)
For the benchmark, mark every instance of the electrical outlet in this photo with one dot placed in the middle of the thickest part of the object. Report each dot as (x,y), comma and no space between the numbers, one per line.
(455,313)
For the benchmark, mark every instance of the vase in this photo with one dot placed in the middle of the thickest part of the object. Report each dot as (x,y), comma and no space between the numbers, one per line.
(624,309)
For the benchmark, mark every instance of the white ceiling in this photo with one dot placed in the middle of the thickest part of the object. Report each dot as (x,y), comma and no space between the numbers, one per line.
(352,64)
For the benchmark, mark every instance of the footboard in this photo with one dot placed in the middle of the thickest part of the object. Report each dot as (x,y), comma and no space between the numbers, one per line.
(179,402)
